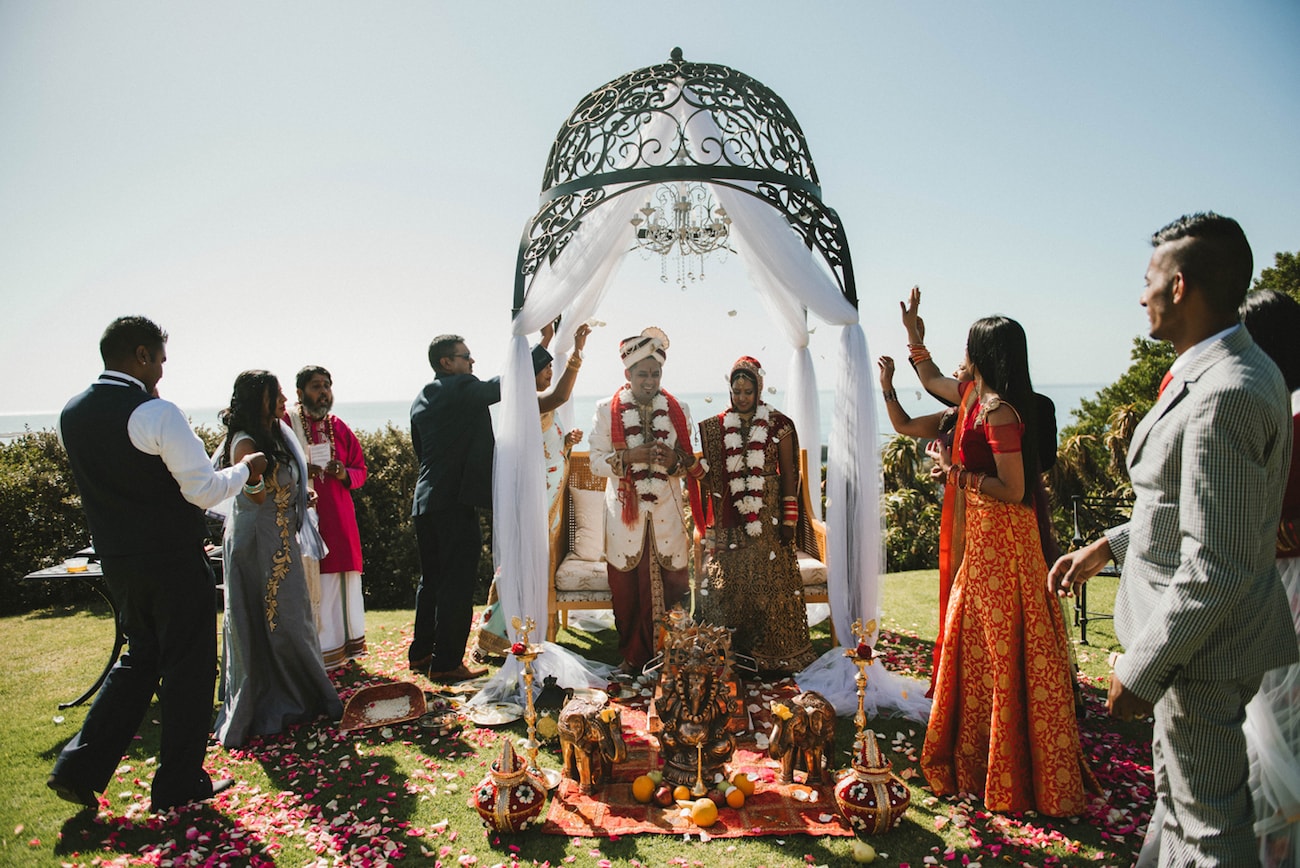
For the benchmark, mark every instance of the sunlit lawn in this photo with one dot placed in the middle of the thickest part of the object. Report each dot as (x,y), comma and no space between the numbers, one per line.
(313,795)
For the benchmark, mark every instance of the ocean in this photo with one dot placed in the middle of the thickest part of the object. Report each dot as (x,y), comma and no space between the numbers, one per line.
(374,415)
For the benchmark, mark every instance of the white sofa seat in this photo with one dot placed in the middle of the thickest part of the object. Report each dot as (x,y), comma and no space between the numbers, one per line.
(581,581)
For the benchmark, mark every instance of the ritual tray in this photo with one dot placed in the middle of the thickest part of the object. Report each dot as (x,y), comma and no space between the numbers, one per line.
(383,705)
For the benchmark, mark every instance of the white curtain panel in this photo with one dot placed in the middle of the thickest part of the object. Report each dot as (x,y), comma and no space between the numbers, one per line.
(787,274)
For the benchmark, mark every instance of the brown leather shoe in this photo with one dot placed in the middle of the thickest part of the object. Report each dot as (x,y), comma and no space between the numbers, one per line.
(421,666)
(460,673)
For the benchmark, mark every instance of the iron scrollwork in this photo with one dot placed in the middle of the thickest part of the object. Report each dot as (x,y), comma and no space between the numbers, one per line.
(552,227)
(675,121)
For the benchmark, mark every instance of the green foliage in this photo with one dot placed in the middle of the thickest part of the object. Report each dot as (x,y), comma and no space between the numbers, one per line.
(40,521)
(392,564)
(1093,451)
(912,506)
(1284,276)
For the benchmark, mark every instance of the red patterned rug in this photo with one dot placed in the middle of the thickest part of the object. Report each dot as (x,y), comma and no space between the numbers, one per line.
(773,809)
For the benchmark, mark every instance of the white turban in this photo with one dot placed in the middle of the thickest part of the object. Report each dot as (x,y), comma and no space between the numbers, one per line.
(652,342)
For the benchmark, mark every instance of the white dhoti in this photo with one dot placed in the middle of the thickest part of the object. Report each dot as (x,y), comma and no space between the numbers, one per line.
(342,624)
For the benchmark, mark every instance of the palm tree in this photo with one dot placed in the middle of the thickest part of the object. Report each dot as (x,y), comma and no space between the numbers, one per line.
(1123,421)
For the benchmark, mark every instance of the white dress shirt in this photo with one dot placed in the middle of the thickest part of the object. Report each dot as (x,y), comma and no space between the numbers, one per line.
(158,427)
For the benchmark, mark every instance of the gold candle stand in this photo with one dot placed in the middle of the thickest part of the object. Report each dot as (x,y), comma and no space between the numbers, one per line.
(861,656)
(526,652)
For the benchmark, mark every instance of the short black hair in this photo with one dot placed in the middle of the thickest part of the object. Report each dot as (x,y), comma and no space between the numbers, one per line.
(126,333)
(441,347)
(1216,256)
(1273,320)
(305,375)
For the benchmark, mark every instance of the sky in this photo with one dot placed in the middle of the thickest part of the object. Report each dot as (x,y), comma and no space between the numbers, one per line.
(279,184)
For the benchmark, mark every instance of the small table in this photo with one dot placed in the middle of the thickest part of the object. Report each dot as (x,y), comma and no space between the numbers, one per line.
(92,575)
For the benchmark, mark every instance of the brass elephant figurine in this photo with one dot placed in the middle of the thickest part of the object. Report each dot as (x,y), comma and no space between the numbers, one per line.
(803,737)
(591,741)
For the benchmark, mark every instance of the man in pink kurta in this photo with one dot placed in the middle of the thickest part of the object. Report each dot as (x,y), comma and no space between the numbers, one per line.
(337,467)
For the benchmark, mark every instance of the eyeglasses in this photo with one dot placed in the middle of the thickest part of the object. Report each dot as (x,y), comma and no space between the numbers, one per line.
(466,356)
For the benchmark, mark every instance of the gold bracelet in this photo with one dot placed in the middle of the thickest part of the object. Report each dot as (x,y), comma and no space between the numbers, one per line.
(575,362)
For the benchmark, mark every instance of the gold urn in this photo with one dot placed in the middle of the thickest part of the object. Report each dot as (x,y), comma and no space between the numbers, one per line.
(510,797)
(871,797)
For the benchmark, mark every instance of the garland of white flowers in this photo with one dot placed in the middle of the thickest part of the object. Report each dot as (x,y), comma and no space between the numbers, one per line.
(745,465)
(651,483)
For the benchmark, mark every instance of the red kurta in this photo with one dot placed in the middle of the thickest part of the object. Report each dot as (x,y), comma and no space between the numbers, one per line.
(338,515)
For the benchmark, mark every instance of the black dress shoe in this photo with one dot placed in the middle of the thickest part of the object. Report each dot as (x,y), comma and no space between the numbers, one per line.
(219,786)
(72,793)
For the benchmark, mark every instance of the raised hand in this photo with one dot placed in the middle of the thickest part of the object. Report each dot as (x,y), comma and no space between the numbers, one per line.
(886,366)
(911,310)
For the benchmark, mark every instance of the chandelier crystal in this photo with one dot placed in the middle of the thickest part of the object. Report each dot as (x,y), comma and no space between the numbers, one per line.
(682,218)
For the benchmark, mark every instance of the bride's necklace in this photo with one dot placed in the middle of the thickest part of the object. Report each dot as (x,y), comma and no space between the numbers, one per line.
(743,451)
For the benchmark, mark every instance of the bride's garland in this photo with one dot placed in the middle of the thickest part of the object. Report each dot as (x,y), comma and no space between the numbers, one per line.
(744,461)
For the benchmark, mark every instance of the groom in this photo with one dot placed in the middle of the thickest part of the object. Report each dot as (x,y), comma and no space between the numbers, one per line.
(1201,612)
(641,441)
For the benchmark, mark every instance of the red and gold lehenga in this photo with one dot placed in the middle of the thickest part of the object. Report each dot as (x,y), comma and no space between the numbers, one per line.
(752,581)
(1002,724)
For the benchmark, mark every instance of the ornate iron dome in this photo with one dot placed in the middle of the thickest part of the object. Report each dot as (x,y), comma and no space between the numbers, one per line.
(608,141)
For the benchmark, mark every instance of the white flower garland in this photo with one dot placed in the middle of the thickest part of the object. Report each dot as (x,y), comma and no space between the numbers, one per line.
(745,465)
(651,484)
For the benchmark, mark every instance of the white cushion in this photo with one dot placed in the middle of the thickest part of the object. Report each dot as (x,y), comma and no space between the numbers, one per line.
(576,574)
(812,570)
(588,524)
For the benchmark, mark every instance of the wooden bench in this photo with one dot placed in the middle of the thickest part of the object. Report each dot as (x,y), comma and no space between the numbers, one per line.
(578,575)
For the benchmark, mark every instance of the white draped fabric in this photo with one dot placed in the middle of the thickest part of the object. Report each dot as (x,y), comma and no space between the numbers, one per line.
(1272,732)
(790,282)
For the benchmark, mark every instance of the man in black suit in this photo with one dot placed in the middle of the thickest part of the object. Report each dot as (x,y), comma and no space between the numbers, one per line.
(145,479)
(451,430)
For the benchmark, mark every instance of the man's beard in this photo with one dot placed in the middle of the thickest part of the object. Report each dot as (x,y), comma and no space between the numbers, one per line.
(320,410)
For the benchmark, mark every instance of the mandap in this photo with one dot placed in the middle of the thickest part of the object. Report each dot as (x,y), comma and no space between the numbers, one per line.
(682,121)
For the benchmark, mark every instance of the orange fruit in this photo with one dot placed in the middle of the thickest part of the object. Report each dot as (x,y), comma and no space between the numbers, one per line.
(744,784)
(704,812)
(643,788)
(681,792)
(735,797)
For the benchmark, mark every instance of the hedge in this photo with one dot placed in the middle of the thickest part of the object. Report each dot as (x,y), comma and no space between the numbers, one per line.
(41,521)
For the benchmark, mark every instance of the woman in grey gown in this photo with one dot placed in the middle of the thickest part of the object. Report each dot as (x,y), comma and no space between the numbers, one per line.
(274,676)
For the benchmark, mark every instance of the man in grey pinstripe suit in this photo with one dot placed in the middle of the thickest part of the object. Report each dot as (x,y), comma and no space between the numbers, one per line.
(1201,612)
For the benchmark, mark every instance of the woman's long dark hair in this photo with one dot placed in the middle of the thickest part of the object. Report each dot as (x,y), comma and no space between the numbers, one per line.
(997,347)
(1273,320)
(248,413)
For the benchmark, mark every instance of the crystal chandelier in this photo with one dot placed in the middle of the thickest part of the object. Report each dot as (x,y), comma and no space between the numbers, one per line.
(682,217)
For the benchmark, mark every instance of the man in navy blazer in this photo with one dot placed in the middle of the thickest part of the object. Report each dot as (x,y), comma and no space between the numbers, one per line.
(1201,612)
(451,429)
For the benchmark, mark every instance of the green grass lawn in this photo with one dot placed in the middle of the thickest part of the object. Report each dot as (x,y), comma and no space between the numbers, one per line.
(312,796)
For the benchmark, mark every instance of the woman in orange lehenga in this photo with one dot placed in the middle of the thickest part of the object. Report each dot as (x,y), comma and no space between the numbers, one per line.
(1003,722)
